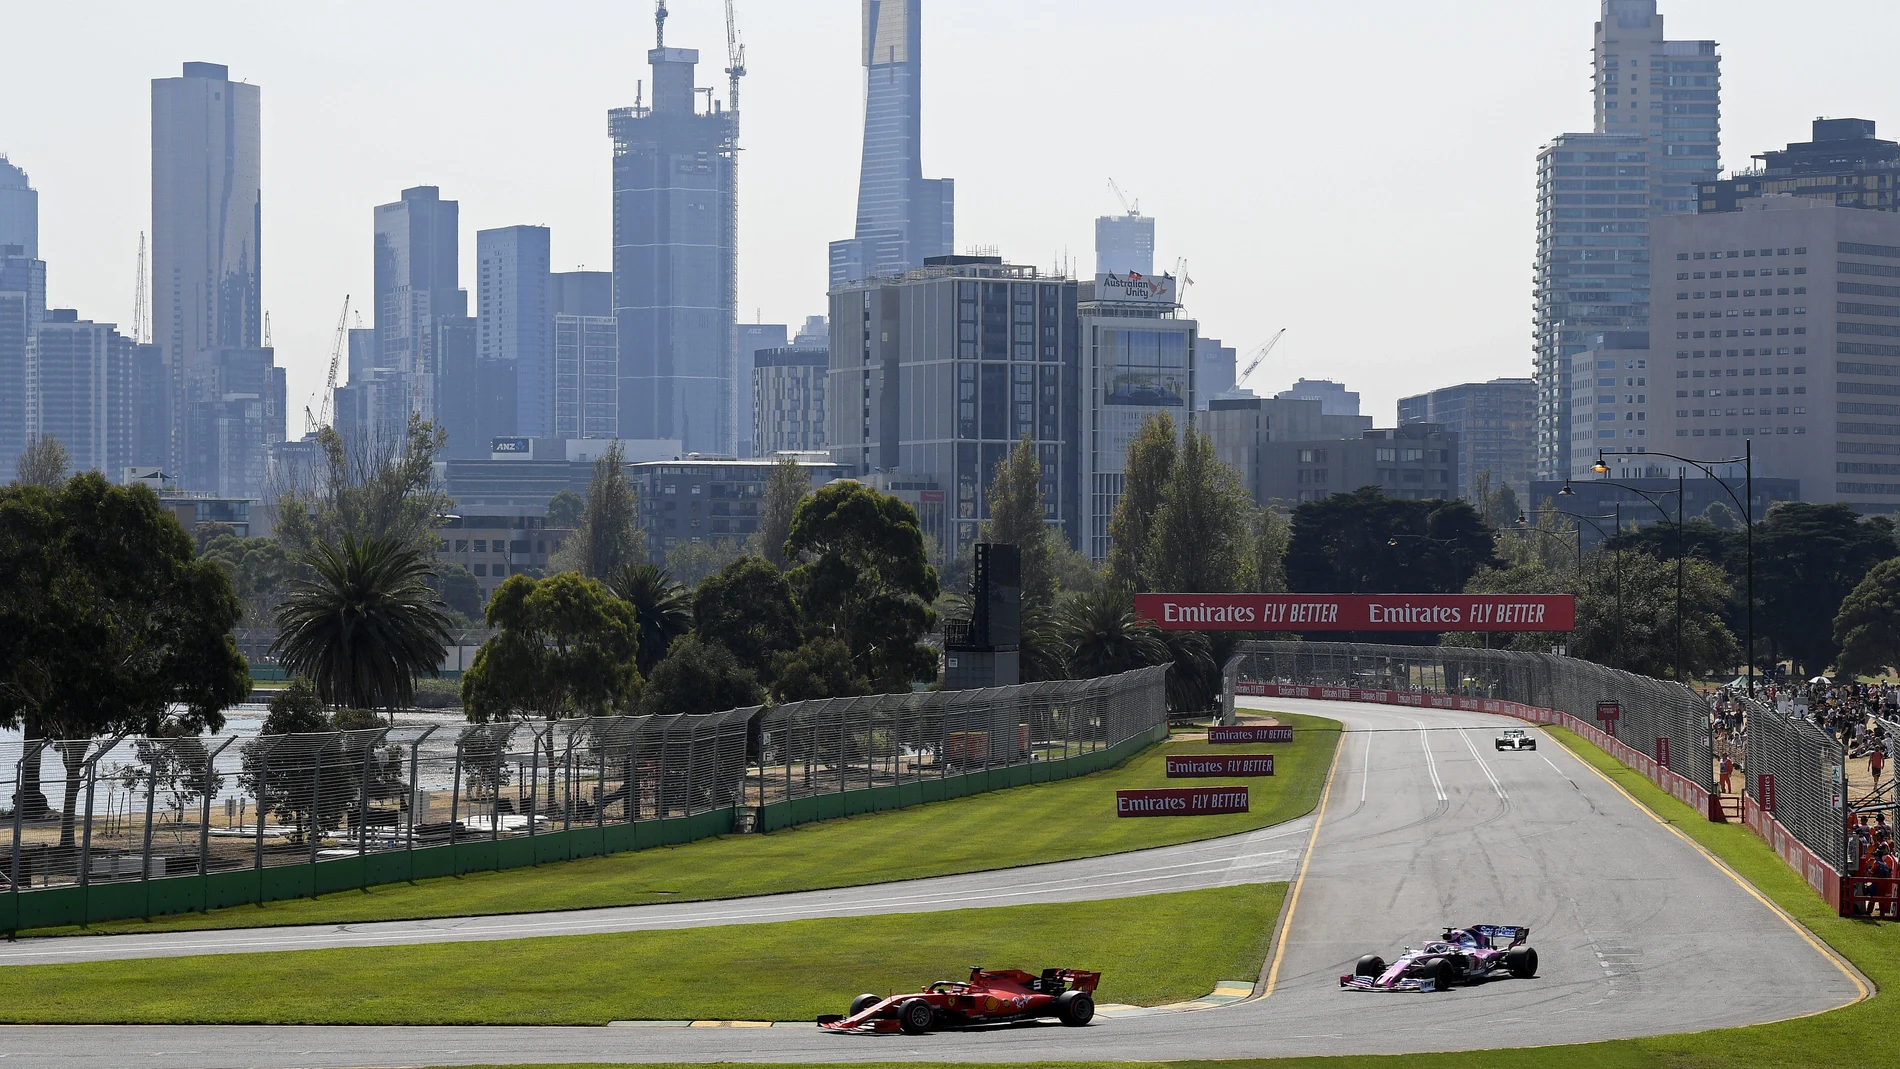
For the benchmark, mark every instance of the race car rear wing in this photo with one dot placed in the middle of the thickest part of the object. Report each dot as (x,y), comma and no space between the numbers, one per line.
(1076,979)
(1499,935)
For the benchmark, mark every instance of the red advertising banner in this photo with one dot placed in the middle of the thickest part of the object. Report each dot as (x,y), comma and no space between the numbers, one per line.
(1359,612)
(1181,802)
(1187,766)
(1662,750)
(1609,711)
(1227,736)
(1765,790)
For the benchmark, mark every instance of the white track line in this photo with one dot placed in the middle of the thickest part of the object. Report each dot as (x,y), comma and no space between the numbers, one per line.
(1559,771)
(1365,769)
(1488,774)
(1431,766)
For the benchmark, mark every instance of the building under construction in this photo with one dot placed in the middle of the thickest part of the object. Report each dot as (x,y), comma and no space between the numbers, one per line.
(676,254)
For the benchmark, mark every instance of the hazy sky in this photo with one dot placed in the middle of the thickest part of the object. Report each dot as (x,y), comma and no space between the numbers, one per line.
(1359,172)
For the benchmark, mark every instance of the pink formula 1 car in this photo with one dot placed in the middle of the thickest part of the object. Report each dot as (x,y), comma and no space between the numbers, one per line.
(1464,955)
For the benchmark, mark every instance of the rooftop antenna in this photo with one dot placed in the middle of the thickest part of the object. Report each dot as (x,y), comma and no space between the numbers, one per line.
(659,24)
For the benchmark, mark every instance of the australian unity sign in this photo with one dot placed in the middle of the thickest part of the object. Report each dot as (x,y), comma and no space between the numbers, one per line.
(1359,612)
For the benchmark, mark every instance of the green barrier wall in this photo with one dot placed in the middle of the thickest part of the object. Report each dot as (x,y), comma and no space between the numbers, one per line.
(127,899)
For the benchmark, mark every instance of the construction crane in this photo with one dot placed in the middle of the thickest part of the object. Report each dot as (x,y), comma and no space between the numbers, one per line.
(1254,364)
(266,330)
(735,58)
(659,24)
(1185,280)
(336,357)
(141,330)
(1133,210)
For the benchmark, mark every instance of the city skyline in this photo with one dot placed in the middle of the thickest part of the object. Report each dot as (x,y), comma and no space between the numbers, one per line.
(1294,257)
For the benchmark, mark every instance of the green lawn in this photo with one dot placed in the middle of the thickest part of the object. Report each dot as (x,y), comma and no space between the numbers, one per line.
(1860,1036)
(1022,826)
(1150,950)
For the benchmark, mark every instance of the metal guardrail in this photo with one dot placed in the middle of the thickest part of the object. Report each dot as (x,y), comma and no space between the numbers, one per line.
(145,809)
(1651,709)
(1807,788)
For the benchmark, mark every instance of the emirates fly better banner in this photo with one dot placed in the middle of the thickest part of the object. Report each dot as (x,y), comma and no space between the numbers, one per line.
(1359,612)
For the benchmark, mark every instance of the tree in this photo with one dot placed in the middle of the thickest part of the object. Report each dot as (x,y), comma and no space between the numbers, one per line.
(1104,637)
(698,676)
(821,668)
(457,588)
(109,623)
(1868,625)
(1366,543)
(1268,567)
(1494,499)
(365,625)
(565,646)
(608,537)
(1150,464)
(564,510)
(1018,517)
(864,577)
(1808,559)
(748,608)
(1626,614)
(784,490)
(689,562)
(205,533)
(43,462)
(258,569)
(177,770)
(1199,542)
(295,710)
(1075,572)
(369,488)
(661,610)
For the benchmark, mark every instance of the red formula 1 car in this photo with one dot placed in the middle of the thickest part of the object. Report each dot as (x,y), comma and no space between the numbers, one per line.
(989,997)
(1462,956)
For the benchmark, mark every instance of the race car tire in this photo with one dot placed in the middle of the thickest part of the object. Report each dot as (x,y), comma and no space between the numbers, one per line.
(1522,961)
(1370,965)
(1442,975)
(915,1016)
(863,1002)
(1075,1008)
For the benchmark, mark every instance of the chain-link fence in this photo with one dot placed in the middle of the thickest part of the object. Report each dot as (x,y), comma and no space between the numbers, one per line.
(1666,721)
(1806,784)
(104,828)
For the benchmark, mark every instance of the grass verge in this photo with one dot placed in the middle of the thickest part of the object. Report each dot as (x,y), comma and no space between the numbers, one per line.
(1857,1036)
(1057,821)
(1150,950)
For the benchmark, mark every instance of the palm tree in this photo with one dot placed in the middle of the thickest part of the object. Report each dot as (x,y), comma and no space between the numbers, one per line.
(1104,636)
(662,611)
(366,625)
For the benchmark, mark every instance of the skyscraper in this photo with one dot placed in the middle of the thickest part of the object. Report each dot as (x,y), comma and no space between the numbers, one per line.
(1493,423)
(1125,243)
(80,390)
(676,267)
(515,318)
(1657,134)
(207,222)
(19,210)
(752,339)
(903,217)
(416,286)
(22,306)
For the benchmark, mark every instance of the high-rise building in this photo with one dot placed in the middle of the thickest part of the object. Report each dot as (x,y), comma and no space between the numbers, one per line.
(903,217)
(1215,369)
(752,339)
(1609,396)
(22,306)
(788,397)
(1779,330)
(1241,426)
(936,375)
(416,272)
(1657,135)
(207,223)
(1137,361)
(1125,243)
(815,334)
(152,416)
(586,386)
(1845,164)
(1493,421)
(515,313)
(80,389)
(1333,397)
(19,210)
(676,265)
(581,293)
(231,425)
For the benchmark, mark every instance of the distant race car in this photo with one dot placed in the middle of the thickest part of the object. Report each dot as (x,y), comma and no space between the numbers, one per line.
(1464,955)
(1516,739)
(989,997)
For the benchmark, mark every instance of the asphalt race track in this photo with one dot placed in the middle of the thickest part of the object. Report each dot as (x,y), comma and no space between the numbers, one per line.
(1425,825)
